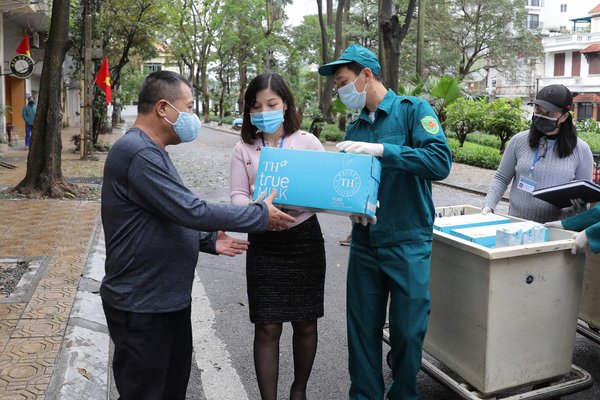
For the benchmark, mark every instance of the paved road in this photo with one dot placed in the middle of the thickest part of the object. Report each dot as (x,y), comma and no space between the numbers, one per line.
(224,368)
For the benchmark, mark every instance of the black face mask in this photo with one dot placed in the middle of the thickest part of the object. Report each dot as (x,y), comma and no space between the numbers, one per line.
(544,124)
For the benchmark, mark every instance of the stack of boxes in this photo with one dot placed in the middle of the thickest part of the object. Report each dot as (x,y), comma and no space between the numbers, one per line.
(492,230)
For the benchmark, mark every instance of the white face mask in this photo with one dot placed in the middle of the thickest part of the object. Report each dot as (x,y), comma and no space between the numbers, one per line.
(350,96)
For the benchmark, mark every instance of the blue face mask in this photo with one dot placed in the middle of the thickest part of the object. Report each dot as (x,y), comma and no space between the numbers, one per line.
(351,97)
(186,126)
(268,121)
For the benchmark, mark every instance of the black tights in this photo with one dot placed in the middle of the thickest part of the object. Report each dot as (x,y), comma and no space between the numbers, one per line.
(266,357)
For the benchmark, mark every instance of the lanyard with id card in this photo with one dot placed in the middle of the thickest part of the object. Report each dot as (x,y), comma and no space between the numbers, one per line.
(528,183)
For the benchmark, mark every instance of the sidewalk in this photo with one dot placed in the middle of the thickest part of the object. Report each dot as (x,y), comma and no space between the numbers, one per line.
(54,236)
(53,338)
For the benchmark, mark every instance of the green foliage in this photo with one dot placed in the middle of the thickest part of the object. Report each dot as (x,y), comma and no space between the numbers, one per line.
(464,116)
(438,91)
(130,85)
(225,120)
(470,35)
(474,154)
(505,119)
(588,126)
(331,133)
(592,139)
(485,139)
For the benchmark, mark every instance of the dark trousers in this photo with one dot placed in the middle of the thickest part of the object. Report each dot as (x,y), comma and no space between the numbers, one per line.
(28,129)
(153,353)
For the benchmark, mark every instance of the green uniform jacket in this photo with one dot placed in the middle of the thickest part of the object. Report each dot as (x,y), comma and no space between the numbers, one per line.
(588,220)
(415,152)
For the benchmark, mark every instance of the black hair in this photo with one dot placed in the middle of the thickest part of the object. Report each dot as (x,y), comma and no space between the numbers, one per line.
(566,139)
(157,86)
(275,82)
(355,67)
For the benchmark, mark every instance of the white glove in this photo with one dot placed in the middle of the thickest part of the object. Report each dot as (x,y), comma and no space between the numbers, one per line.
(486,210)
(359,219)
(363,220)
(580,244)
(578,205)
(554,224)
(348,146)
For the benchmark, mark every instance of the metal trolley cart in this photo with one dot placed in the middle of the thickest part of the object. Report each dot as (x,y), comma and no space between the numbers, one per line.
(504,319)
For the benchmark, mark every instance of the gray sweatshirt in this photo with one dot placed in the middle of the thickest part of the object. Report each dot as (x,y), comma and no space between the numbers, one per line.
(550,170)
(154,228)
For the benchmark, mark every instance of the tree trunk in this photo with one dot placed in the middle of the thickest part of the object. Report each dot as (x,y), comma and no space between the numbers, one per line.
(393,34)
(346,22)
(205,94)
(243,72)
(44,175)
(326,93)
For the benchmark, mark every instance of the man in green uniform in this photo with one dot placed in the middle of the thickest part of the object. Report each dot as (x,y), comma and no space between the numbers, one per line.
(389,259)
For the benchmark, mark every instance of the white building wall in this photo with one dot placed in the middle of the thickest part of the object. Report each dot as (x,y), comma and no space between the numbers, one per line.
(554,18)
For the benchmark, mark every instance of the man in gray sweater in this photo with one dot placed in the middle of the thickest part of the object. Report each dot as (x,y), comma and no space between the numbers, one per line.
(154,228)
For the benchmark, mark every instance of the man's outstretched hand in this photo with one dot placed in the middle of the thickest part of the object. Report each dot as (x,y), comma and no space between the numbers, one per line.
(278,220)
(230,246)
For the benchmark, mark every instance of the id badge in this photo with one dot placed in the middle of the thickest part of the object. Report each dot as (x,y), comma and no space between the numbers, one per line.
(527,184)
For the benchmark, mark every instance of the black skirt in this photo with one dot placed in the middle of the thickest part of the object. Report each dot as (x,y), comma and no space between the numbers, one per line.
(285,274)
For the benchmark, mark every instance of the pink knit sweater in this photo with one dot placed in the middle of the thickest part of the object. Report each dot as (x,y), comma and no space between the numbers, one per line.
(244,167)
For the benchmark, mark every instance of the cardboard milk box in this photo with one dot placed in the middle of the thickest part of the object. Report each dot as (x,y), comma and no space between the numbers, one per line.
(504,235)
(338,183)
(447,224)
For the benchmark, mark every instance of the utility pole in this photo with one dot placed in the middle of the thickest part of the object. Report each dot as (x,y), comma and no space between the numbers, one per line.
(86,143)
(420,37)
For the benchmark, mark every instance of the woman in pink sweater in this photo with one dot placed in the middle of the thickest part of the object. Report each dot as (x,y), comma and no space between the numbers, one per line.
(285,270)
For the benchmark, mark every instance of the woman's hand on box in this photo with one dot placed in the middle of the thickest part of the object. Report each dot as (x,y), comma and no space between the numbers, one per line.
(349,146)
(486,210)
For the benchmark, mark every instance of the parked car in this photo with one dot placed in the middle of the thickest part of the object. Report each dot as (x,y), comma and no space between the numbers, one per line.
(237,123)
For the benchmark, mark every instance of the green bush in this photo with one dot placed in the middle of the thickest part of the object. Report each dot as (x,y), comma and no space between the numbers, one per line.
(485,139)
(215,118)
(475,154)
(305,125)
(592,139)
(331,133)
(588,126)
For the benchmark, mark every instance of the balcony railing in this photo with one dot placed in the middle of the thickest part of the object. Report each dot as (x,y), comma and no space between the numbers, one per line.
(516,90)
(574,38)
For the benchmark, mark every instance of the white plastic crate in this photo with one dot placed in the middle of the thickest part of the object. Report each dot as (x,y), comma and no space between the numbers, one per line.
(504,317)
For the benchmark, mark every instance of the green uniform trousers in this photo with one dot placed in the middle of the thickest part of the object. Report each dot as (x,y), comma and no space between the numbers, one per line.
(375,274)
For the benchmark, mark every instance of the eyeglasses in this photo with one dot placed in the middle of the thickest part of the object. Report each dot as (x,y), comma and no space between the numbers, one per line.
(548,117)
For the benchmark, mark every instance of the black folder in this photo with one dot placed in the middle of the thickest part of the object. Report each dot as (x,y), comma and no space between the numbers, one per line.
(560,195)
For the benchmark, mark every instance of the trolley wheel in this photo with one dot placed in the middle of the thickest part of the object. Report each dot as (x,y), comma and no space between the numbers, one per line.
(388,359)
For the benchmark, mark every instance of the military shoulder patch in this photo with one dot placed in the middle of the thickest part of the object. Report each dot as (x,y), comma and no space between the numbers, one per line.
(430,124)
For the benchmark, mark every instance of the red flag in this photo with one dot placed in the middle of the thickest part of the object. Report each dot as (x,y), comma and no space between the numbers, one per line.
(103,80)
(23,47)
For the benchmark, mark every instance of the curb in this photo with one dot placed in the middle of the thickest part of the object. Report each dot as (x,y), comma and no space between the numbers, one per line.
(82,366)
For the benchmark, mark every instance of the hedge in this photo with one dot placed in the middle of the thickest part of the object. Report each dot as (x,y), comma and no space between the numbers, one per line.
(475,154)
